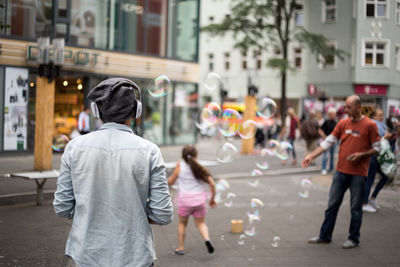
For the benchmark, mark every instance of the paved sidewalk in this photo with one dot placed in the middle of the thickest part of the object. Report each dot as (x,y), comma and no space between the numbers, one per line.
(34,236)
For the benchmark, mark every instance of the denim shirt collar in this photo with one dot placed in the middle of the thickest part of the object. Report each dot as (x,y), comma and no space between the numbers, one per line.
(116,126)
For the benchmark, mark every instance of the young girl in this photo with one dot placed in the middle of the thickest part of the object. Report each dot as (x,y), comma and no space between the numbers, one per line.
(192,196)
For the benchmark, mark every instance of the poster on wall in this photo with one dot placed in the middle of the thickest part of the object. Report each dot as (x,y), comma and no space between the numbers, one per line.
(15,109)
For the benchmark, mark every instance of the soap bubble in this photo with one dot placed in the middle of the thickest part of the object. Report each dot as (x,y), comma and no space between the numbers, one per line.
(251,231)
(222,185)
(228,204)
(255,216)
(256,172)
(230,195)
(228,123)
(254,183)
(212,81)
(227,153)
(262,163)
(59,143)
(241,239)
(275,242)
(210,114)
(266,107)
(247,130)
(162,85)
(305,187)
(256,202)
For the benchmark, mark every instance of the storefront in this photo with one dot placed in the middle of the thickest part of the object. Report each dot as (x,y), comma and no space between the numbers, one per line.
(165,120)
(372,96)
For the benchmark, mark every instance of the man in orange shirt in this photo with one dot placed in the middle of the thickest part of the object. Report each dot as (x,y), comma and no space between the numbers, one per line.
(359,140)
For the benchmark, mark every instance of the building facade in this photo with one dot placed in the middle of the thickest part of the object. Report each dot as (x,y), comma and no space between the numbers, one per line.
(368,30)
(139,40)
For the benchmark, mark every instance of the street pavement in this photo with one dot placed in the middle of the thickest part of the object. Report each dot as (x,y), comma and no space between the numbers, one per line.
(292,212)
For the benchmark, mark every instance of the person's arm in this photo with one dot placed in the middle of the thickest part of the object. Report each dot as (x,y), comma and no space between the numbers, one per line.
(321,133)
(174,175)
(159,206)
(64,199)
(211,182)
(358,155)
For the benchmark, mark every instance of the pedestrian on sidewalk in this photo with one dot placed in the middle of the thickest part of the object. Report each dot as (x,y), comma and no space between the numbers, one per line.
(359,139)
(325,130)
(289,132)
(112,184)
(370,205)
(192,196)
(310,132)
(84,121)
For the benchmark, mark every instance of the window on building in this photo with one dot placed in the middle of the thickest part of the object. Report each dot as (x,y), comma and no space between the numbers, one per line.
(297,58)
(376,8)
(397,57)
(298,15)
(329,62)
(210,61)
(227,60)
(398,12)
(257,57)
(277,52)
(244,61)
(375,54)
(211,19)
(329,10)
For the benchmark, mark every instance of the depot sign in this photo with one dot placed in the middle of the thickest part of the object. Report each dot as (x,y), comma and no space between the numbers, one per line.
(60,56)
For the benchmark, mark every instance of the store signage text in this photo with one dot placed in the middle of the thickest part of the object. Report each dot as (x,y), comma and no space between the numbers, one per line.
(60,56)
(362,89)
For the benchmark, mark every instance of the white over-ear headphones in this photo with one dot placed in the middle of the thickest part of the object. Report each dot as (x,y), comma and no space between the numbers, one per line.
(137,105)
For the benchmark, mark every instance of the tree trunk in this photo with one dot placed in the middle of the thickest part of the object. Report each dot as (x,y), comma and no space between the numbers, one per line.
(283,95)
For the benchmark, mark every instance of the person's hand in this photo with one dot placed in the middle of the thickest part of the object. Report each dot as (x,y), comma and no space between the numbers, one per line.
(388,136)
(355,157)
(213,204)
(306,161)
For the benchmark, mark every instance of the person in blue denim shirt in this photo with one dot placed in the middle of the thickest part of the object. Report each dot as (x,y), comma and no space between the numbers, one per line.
(112,184)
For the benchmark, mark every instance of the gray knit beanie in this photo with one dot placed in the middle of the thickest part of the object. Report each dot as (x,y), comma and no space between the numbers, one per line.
(115,99)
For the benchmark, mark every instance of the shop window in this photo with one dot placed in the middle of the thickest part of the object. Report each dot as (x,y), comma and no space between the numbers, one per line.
(329,11)
(375,54)
(183,25)
(376,8)
(28,19)
(397,57)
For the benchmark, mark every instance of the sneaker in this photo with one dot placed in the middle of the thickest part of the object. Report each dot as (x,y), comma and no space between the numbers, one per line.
(317,240)
(349,244)
(209,246)
(374,204)
(324,172)
(368,208)
(179,252)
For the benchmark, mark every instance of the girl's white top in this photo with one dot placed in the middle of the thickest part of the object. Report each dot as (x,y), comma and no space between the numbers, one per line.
(187,183)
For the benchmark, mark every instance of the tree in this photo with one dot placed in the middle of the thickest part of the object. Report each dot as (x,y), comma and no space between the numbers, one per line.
(260,24)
